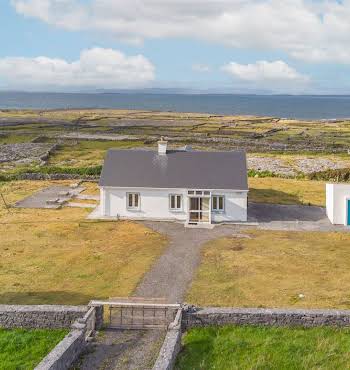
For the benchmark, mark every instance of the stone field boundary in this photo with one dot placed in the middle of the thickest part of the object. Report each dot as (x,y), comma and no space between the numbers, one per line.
(85,320)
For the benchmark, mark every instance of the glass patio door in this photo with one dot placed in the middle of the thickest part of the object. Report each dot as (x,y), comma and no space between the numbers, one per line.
(199,209)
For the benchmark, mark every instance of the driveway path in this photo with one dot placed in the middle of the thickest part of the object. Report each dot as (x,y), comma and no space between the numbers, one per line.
(173,272)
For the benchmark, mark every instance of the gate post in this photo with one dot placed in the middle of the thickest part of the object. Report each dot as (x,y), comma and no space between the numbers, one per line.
(99,310)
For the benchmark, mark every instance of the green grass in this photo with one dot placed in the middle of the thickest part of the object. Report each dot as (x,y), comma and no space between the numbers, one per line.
(272,268)
(87,152)
(287,191)
(58,257)
(248,347)
(22,349)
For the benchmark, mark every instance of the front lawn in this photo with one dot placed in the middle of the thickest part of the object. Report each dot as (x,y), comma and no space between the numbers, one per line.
(274,269)
(287,191)
(22,349)
(59,257)
(248,347)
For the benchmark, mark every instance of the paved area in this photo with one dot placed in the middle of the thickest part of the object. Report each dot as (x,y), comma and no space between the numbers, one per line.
(291,217)
(40,199)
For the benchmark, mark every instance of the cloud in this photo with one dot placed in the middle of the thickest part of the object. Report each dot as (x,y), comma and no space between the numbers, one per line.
(200,68)
(272,75)
(96,68)
(310,30)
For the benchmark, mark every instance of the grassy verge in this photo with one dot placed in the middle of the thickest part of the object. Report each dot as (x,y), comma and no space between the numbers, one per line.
(24,349)
(265,348)
(275,269)
(287,191)
(57,256)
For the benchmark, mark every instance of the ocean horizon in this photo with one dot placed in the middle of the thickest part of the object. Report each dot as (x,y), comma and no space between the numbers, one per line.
(313,107)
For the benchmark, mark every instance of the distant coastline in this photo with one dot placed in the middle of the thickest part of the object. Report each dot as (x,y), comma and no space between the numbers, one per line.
(312,107)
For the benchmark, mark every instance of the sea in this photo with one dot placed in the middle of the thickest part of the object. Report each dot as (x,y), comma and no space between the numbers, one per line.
(312,107)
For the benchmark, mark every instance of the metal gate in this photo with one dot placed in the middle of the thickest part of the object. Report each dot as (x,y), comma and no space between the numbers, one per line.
(138,313)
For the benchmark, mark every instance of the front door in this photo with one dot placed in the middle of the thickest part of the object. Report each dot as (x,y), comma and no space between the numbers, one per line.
(199,210)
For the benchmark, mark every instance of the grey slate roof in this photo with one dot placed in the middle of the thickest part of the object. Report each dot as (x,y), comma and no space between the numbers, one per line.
(176,169)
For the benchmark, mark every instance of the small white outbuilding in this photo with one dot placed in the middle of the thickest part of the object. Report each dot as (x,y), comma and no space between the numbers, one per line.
(338,203)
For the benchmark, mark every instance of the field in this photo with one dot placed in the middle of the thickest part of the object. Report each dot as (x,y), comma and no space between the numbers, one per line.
(23,349)
(80,138)
(287,191)
(59,257)
(274,269)
(243,348)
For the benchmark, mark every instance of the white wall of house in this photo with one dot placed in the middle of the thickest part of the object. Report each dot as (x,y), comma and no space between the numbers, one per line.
(154,204)
(336,202)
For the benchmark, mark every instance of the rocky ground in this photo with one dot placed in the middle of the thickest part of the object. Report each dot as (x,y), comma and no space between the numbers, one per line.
(25,153)
(292,167)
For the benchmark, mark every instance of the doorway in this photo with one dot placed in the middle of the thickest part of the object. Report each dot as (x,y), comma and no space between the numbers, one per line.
(199,210)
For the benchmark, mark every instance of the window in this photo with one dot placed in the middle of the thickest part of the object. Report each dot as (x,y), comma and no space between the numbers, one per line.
(218,203)
(133,200)
(175,202)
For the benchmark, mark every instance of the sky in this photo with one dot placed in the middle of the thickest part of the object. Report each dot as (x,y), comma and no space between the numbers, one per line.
(238,46)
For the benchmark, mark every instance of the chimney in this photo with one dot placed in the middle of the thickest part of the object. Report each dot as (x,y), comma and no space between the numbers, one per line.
(162,146)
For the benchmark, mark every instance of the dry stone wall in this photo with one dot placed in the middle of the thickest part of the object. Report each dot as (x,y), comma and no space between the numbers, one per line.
(39,316)
(193,317)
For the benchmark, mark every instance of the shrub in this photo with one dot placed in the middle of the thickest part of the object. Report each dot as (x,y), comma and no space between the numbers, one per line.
(341,175)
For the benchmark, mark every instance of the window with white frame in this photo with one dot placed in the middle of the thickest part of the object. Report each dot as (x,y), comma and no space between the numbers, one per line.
(218,203)
(133,200)
(175,202)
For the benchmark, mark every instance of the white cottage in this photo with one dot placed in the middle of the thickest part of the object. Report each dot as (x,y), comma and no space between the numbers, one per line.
(338,203)
(194,187)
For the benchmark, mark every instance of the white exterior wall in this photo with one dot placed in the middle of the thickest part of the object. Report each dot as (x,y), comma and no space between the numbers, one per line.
(235,207)
(336,196)
(330,202)
(154,204)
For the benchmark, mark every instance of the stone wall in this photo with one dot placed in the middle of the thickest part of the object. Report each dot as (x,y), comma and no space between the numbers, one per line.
(169,351)
(69,349)
(210,316)
(39,316)
(56,176)
(65,353)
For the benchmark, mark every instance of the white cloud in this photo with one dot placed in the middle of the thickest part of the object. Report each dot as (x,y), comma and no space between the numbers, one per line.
(200,67)
(311,30)
(271,75)
(96,68)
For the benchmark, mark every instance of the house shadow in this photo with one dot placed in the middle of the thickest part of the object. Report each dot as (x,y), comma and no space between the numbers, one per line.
(263,206)
(51,297)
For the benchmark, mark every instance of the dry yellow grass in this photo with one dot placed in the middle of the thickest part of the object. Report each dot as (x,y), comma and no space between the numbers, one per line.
(287,191)
(271,269)
(57,256)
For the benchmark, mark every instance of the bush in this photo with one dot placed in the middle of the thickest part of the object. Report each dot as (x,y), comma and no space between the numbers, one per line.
(342,175)
(91,172)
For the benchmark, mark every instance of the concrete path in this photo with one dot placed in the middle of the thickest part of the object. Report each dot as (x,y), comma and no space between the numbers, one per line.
(291,217)
(40,198)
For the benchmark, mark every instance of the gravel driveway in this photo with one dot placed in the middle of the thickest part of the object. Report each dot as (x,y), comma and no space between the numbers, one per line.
(173,272)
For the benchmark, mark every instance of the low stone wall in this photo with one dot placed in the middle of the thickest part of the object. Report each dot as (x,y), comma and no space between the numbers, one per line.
(65,353)
(69,349)
(56,176)
(169,351)
(39,316)
(268,317)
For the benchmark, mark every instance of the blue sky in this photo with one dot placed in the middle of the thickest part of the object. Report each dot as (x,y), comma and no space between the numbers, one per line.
(299,46)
